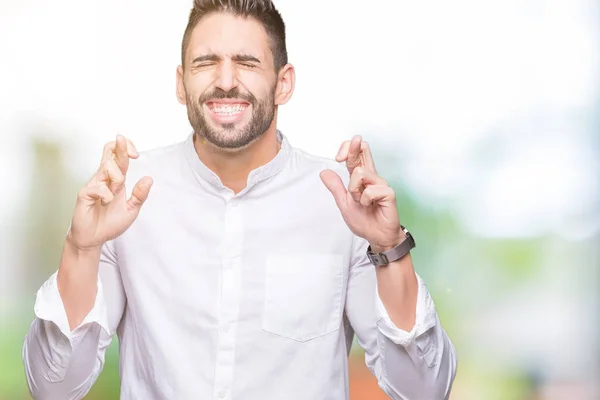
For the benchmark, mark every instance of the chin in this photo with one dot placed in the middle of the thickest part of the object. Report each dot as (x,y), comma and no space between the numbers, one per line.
(230,141)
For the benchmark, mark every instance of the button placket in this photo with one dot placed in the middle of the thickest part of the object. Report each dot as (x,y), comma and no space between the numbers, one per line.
(229,297)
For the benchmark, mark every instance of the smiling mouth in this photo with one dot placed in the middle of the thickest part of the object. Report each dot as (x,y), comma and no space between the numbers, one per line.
(227,110)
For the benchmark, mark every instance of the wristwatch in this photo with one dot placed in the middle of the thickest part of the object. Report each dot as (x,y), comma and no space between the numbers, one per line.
(386,257)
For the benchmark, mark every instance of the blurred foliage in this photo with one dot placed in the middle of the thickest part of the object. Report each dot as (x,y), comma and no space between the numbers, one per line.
(50,204)
(12,375)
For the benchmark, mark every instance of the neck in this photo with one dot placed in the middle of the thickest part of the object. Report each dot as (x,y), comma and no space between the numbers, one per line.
(233,167)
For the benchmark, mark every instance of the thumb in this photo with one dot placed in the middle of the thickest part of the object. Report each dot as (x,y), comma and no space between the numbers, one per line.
(334,184)
(139,194)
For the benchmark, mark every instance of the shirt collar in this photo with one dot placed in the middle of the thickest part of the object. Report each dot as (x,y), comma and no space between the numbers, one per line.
(202,172)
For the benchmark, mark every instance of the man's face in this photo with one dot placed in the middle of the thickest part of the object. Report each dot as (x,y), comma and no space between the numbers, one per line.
(229,81)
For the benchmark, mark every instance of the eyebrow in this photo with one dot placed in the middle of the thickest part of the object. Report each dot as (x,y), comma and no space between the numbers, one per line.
(245,58)
(207,57)
(236,58)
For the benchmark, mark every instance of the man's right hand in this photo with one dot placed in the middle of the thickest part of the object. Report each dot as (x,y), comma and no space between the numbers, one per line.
(102,211)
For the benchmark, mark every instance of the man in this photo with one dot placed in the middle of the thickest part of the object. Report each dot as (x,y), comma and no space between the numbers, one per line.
(245,274)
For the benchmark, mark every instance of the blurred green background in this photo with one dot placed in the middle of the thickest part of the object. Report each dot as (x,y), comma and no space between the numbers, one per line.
(485,117)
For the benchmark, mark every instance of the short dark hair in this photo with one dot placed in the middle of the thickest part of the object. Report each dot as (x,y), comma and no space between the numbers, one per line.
(263,11)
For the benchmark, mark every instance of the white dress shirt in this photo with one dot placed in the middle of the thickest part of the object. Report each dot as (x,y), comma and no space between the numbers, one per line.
(254,296)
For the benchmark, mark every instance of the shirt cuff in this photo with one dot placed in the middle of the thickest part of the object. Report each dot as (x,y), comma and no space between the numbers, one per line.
(425,318)
(49,307)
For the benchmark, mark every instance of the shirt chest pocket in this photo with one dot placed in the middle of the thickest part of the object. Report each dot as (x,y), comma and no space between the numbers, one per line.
(303,295)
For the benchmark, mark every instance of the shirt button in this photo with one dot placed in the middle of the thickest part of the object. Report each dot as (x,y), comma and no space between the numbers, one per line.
(225,328)
(222,394)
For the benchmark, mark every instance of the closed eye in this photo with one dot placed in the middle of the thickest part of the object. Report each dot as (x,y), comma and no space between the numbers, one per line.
(248,65)
(204,61)
(246,60)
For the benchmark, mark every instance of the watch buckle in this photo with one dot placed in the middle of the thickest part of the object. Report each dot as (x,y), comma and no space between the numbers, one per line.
(378,258)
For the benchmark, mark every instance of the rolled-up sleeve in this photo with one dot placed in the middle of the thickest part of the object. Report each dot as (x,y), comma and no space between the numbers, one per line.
(420,364)
(49,308)
(64,363)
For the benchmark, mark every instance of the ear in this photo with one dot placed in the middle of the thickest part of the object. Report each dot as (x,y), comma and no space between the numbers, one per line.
(180,87)
(286,81)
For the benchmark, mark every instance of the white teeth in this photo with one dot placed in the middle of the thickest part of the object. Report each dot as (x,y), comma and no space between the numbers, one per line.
(229,110)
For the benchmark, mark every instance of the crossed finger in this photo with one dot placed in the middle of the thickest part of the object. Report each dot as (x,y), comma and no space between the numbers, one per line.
(356,153)
(377,194)
(121,151)
(114,165)
(360,179)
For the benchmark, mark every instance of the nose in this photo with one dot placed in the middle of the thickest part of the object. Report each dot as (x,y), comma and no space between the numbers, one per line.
(227,76)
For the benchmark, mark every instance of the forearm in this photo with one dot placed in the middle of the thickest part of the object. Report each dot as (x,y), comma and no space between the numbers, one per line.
(63,358)
(396,323)
(398,290)
(414,344)
(418,358)
(77,281)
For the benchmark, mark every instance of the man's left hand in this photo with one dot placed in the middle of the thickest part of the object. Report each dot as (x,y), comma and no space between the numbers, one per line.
(368,206)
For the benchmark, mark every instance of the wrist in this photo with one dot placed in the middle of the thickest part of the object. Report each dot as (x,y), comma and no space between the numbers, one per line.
(72,250)
(391,251)
(388,245)
(73,247)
